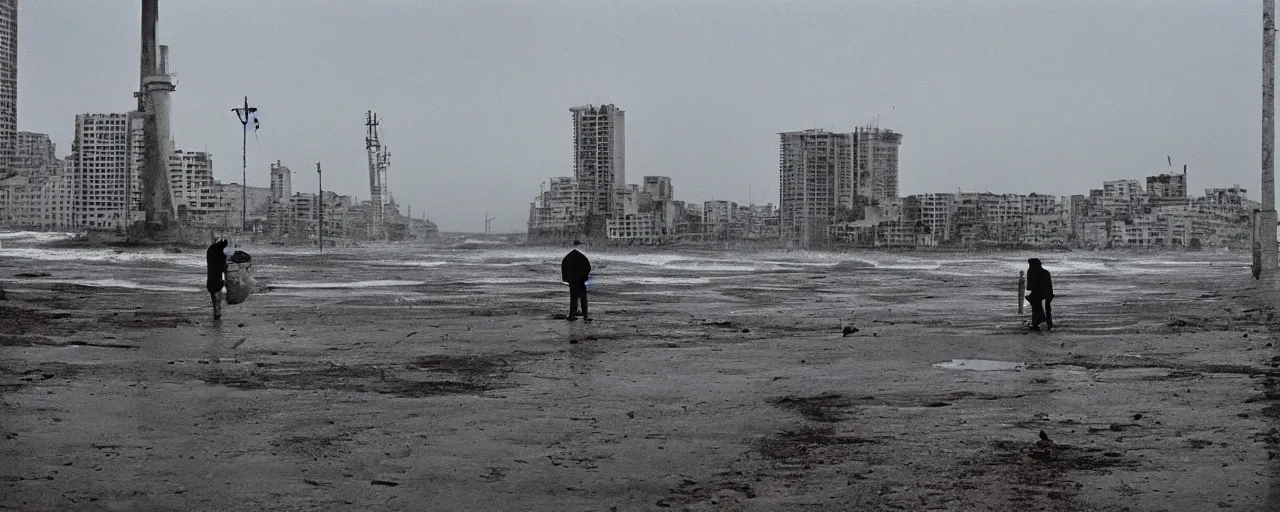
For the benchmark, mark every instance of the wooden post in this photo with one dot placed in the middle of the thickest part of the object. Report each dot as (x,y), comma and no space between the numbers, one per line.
(1022,288)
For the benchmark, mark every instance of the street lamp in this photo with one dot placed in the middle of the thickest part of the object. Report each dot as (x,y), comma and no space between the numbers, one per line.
(245,113)
(320,197)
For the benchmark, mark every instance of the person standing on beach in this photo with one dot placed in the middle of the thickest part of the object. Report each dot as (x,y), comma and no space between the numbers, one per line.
(574,271)
(216,259)
(1040,286)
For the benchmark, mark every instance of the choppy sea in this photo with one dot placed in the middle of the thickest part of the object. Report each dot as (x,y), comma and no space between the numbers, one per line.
(414,269)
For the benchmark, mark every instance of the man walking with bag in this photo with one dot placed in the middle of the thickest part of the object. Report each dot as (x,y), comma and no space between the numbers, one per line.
(216,259)
(1040,286)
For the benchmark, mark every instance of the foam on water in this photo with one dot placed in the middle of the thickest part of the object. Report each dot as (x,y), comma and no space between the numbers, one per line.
(408,263)
(33,236)
(653,280)
(507,280)
(382,283)
(124,283)
(104,256)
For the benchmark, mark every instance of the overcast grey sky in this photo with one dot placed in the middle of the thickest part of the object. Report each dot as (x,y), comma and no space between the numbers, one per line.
(1000,95)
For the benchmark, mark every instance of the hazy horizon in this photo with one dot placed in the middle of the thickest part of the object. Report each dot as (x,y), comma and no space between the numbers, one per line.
(474,96)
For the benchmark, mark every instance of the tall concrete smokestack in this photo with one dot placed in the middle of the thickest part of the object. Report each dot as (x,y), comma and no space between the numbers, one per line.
(155,85)
(147,61)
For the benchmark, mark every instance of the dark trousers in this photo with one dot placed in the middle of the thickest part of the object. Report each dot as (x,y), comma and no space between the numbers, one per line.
(1041,311)
(217,303)
(577,292)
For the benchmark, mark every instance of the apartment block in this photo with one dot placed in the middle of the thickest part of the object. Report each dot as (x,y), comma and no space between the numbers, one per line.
(195,192)
(106,185)
(1122,189)
(8,85)
(280,215)
(232,199)
(815,182)
(554,213)
(35,155)
(875,155)
(637,228)
(599,157)
(659,188)
(1167,186)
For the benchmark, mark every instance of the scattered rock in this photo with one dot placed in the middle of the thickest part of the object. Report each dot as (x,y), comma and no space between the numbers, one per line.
(849,329)
(1137,417)
(32,274)
(384,482)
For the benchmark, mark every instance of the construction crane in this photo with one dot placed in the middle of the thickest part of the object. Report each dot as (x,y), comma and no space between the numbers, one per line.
(487,221)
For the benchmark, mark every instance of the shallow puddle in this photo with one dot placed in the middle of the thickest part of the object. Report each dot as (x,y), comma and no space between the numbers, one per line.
(980,365)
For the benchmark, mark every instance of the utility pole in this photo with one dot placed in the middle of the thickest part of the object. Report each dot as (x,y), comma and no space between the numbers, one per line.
(245,114)
(487,220)
(1267,217)
(320,197)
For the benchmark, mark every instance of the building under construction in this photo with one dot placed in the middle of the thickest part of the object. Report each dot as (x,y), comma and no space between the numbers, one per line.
(827,177)
(815,180)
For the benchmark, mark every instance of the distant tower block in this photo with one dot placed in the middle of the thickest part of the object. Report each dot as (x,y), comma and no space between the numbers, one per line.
(8,84)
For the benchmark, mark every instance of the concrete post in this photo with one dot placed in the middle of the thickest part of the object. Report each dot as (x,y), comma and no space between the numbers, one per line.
(1267,217)
(1022,289)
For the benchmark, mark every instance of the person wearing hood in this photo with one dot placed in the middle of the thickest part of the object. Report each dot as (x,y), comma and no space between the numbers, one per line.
(216,260)
(575,269)
(1040,288)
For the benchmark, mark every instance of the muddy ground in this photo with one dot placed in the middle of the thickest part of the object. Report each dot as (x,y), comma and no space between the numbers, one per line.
(1155,393)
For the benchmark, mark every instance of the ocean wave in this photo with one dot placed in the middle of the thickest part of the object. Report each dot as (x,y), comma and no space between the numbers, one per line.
(35,237)
(104,256)
(405,263)
(650,280)
(124,283)
(377,283)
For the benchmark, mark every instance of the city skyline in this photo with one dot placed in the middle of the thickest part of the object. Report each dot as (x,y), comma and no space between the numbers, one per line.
(1041,101)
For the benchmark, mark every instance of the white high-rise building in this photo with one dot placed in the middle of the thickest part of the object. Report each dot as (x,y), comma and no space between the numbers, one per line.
(58,211)
(8,84)
(815,180)
(35,155)
(875,154)
(106,163)
(193,188)
(599,157)
(279,211)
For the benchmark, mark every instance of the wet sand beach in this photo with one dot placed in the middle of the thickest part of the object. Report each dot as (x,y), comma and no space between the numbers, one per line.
(442,379)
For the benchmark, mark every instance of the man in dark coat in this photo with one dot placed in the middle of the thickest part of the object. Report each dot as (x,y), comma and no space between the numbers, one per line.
(217,262)
(574,270)
(1040,286)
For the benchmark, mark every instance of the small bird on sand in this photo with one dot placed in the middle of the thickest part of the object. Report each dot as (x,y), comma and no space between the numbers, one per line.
(1044,437)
